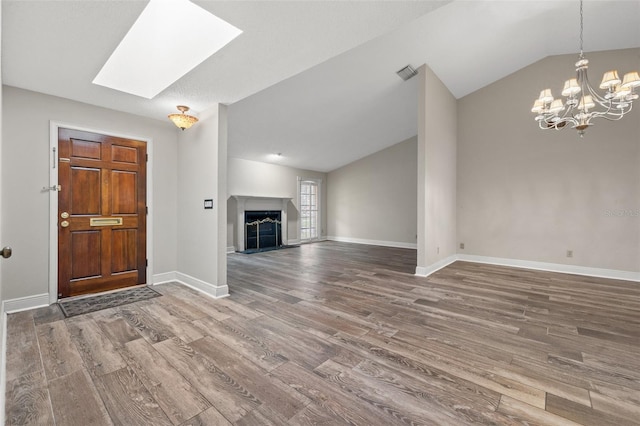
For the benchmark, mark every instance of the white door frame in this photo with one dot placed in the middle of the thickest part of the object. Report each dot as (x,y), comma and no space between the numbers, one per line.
(53,199)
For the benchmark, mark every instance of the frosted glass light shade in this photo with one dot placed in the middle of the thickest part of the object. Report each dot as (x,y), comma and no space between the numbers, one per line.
(182,120)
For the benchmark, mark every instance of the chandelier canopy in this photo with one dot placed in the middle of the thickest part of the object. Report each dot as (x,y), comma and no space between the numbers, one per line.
(582,103)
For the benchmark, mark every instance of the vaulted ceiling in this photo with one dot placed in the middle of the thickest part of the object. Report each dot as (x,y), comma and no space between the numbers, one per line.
(312,80)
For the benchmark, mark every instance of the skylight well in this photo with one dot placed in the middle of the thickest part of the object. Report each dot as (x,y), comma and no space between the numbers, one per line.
(169,39)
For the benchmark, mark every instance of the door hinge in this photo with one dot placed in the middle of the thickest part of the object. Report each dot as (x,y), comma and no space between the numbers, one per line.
(146,262)
(147,157)
(146,209)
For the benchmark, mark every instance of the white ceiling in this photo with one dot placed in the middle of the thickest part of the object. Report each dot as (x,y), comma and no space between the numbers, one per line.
(313,80)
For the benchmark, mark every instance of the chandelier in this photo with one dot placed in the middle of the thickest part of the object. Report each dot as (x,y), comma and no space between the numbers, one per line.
(182,120)
(582,103)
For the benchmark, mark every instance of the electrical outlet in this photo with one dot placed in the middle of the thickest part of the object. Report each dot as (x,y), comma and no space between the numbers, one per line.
(569,253)
(462,246)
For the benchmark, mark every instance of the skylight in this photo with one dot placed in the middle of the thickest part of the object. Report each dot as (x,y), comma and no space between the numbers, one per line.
(169,39)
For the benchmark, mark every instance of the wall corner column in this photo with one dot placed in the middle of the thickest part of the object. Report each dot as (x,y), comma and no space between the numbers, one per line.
(202,175)
(221,205)
(437,170)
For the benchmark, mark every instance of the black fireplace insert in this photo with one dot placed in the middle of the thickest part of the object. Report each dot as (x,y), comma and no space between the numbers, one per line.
(263,229)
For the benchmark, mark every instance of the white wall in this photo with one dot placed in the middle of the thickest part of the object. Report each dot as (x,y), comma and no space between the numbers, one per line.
(437,139)
(202,175)
(221,206)
(25,170)
(253,178)
(373,200)
(2,314)
(525,193)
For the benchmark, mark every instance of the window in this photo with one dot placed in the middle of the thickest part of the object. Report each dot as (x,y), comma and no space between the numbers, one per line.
(309,209)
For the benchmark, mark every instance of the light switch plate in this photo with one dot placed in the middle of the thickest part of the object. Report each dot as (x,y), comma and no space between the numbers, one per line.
(208,204)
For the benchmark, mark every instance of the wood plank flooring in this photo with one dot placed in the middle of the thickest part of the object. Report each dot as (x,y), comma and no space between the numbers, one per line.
(334,333)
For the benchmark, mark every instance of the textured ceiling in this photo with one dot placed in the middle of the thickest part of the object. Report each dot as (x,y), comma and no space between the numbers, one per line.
(313,80)
(57,47)
(354,104)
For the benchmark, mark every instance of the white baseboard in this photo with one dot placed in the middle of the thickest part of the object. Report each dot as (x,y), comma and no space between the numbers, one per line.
(528,264)
(40,300)
(373,242)
(217,292)
(554,267)
(295,242)
(165,277)
(25,303)
(425,271)
(3,362)
(209,289)
(231,249)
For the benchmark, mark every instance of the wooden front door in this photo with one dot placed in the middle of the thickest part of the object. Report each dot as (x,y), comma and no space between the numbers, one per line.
(101,212)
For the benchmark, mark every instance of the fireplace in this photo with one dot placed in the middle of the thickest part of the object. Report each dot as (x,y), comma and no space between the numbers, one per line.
(252,203)
(263,229)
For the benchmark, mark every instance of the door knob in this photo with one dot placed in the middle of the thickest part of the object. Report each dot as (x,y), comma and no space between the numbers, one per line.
(64,223)
(6,252)
(64,215)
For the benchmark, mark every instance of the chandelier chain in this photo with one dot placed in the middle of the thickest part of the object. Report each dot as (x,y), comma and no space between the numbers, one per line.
(581,31)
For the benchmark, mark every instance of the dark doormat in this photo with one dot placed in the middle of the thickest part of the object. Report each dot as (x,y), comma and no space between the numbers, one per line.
(71,308)
(262,250)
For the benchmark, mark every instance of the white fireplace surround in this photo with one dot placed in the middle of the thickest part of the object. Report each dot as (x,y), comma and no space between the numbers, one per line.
(251,202)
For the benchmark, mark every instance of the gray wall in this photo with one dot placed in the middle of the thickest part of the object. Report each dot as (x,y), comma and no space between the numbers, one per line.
(525,193)
(374,199)
(437,140)
(522,193)
(253,178)
(25,170)
(201,171)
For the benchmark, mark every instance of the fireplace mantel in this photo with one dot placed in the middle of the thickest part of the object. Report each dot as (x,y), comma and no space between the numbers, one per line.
(257,197)
(255,202)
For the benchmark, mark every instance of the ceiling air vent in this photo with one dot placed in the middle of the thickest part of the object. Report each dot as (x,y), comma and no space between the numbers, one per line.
(407,72)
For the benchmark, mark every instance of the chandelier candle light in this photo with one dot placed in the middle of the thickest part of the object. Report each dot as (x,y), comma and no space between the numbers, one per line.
(583,103)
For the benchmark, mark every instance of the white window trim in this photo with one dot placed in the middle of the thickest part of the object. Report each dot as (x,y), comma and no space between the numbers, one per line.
(318,182)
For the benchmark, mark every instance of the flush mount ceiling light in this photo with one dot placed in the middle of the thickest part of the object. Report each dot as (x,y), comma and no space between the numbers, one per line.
(182,120)
(169,39)
(583,103)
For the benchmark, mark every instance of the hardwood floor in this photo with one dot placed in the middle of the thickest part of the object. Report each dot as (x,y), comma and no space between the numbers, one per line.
(335,333)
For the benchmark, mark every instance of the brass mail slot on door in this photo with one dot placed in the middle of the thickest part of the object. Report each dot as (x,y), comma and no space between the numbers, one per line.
(105,221)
